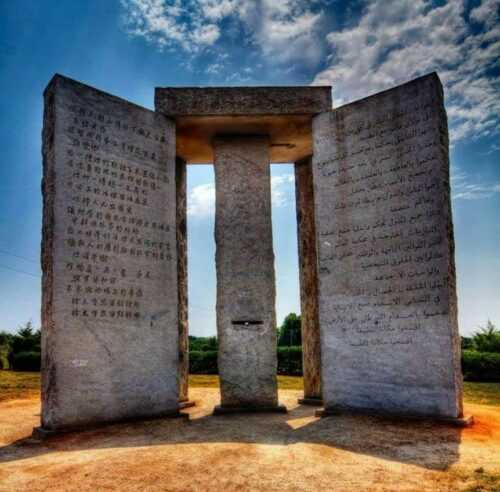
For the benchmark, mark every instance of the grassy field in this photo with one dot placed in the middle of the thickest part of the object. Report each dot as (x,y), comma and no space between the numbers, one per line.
(27,384)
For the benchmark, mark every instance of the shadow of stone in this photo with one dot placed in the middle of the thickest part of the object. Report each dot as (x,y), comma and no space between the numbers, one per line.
(423,444)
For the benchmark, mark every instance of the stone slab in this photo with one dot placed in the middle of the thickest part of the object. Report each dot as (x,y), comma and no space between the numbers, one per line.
(242,101)
(308,275)
(246,320)
(182,287)
(227,410)
(387,288)
(282,113)
(109,260)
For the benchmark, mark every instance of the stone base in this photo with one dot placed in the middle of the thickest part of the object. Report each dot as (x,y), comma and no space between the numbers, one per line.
(316,402)
(186,404)
(225,410)
(465,421)
(41,433)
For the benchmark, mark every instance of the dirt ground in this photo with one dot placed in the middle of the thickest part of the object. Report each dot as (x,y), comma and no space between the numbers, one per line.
(272,452)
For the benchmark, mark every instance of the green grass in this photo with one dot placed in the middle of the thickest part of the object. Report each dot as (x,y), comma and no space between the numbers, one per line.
(18,385)
(206,381)
(27,384)
(482,393)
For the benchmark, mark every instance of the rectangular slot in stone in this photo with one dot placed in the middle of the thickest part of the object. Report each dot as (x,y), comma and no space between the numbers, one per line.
(247,322)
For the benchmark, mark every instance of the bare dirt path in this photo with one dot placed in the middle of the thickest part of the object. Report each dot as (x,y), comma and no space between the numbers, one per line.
(273,452)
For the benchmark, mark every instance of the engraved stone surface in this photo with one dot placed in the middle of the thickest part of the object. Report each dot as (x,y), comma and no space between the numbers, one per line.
(109,260)
(387,295)
(306,232)
(243,101)
(246,320)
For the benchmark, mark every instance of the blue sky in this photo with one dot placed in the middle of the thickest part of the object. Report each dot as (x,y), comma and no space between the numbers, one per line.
(129,47)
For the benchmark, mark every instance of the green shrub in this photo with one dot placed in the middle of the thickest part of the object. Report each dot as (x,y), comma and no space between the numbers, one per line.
(487,339)
(290,361)
(4,356)
(203,362)
(26,361)
(467,343)
(202,344)
(481,366)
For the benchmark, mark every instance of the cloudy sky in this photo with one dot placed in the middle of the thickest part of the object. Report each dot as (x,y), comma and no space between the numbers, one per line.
(359,47)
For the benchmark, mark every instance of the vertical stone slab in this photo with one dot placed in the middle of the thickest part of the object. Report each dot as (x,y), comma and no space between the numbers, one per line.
(109,260)
(388,308)
(246,320)
(306,231)
(182,286)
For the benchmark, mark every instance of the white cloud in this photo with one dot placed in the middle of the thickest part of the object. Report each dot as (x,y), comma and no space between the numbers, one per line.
(282,29)
(287,30)
(282,189)
(397,40)
(201,201)
(466,187)
(214,68)
(392,41)
(486,12)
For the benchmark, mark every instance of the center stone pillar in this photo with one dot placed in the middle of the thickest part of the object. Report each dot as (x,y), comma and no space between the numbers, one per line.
(246,319)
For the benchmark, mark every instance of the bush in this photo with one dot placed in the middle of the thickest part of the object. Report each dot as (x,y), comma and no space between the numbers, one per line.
(481,366)
(202,344)
(203,362)
(487,339)
(467,343)
(26,361)
(4,355)
(290,361)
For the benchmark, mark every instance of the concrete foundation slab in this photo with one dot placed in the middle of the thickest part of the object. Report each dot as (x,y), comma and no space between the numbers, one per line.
(227,410)
(41,433)
(465,421)
(315,402)
(186,404)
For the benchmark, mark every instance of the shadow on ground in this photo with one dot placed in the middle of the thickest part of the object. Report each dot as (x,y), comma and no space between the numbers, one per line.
(423,444)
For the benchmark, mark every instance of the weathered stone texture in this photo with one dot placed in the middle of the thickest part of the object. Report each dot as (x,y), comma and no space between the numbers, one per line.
(109,260)
(246,321)
(233,101)
(386,254)
(306,232)
(182,286)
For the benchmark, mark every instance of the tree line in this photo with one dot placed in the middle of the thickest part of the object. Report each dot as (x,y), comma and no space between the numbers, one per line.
(480,352)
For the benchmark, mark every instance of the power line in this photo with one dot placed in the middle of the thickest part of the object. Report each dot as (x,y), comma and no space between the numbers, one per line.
(19,256)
